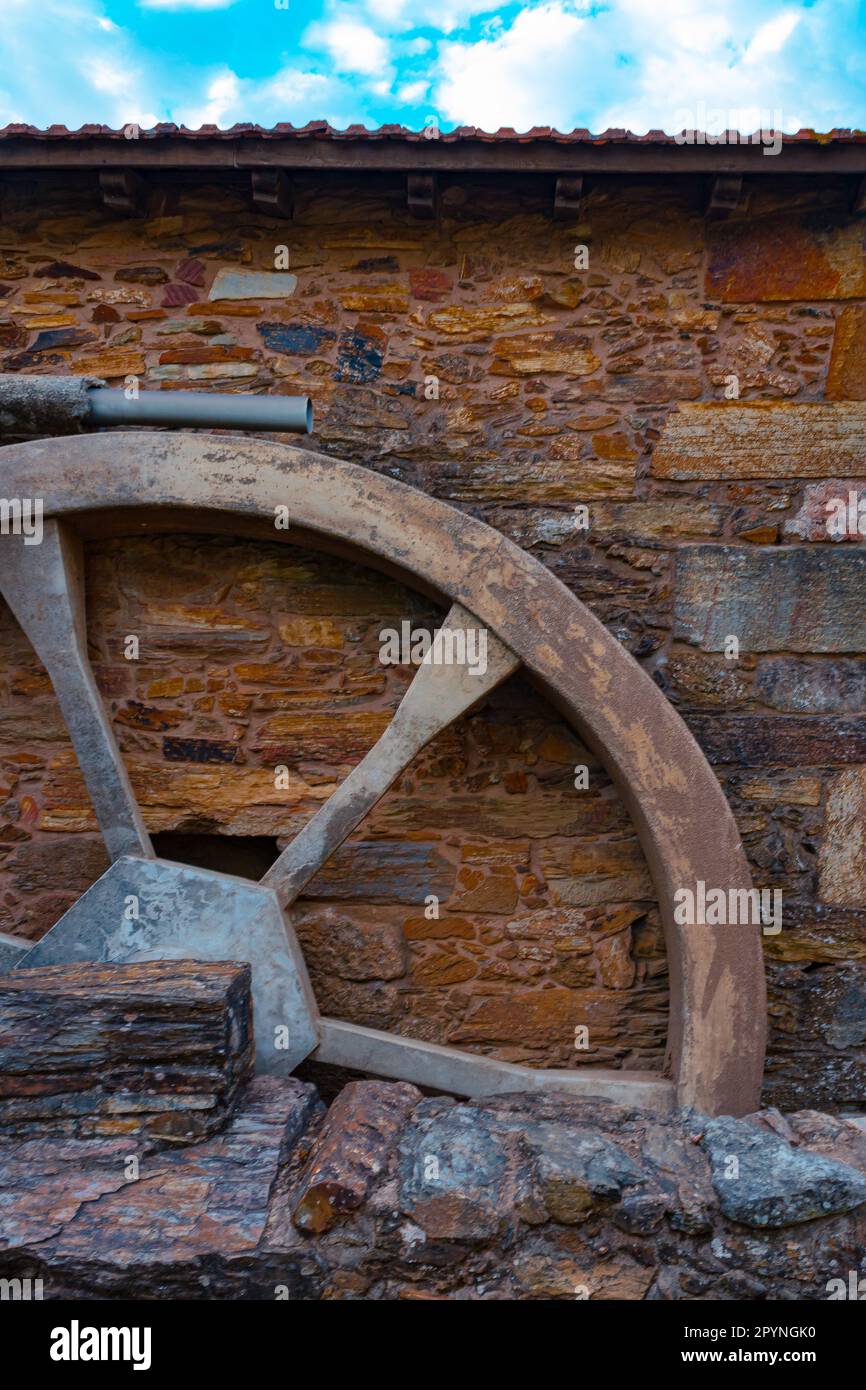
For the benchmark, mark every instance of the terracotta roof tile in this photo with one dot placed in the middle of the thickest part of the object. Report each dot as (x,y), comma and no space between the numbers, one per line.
(320,130)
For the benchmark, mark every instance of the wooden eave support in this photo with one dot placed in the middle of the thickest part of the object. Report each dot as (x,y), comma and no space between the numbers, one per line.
(724,196)
(422,193)
(124,191)
(567,197)
(273,192)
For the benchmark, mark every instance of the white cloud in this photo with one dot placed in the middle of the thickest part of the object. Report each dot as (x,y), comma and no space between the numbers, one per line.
(351,46)
(66,62)
(290,95)
(442,15)
(186,4)
(412,93)
(771,37)
(630,63)
(525,76)
(641,65)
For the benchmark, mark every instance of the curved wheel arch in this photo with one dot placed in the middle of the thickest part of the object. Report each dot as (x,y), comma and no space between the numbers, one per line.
(155,480)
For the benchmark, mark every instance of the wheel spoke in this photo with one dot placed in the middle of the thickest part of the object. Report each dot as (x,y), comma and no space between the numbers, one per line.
(44,586)
(438,695)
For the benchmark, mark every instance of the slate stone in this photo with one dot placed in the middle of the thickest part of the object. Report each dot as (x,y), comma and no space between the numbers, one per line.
(142,274)
(62,270)
(775,1184)
(780,740)
(178,1219)
(359,360)
(458,1177)
(782,599)
(159,1049)
(62,337)
(295,339)
(812,686)
(577,1167)
(12,948)
(253,284)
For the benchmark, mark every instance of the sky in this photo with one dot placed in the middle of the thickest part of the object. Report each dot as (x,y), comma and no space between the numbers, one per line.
(637,64)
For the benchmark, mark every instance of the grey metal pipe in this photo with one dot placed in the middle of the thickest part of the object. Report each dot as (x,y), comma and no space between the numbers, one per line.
(201,410)
(52,405)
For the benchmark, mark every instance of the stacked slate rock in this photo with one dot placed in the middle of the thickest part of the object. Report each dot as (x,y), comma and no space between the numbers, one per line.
(159,1049)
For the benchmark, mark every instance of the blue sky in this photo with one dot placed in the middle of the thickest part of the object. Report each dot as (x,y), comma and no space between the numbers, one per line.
(641,64)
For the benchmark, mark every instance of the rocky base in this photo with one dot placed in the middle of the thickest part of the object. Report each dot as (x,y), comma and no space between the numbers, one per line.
(393,1195)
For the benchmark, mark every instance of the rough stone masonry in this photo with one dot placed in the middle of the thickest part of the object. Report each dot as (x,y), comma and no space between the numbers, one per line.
(468,356)
(387,1194)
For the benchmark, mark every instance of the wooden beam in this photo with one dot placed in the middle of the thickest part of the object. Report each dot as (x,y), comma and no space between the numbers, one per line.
(422,192)
(272,192)
(567,197)
(124,191)
(405,156)
(724,196)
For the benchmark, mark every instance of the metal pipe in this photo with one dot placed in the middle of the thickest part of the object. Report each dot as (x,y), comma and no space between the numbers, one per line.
(201,410)
(34,406)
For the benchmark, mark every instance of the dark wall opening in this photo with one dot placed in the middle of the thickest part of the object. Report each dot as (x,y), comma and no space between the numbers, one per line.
(245,856)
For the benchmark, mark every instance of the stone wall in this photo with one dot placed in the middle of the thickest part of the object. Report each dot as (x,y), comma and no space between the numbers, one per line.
(556,387)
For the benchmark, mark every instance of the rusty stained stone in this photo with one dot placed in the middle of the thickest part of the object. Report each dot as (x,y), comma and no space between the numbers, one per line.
(199,355)
(782,790)
(351,1152)
(842,858)
(591,873)
(429,284)
(381,871)
(375,298)
(112,364)
(477,322)
(647,523)
(534,354)
(542,1018)
(349,733)
(157,1049)
(775,599)
(225,798)
(846,378)
(767,259)
(363,946)
(762,440)
(565,476)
